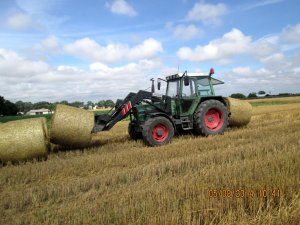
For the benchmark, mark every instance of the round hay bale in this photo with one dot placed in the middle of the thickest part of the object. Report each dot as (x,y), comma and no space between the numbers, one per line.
(23,139)
(240,111)
(71,127)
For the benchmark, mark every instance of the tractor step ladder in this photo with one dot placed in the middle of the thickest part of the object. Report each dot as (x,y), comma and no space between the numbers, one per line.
(186,123)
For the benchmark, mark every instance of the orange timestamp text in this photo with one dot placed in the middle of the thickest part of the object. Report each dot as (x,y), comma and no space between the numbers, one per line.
(244,193)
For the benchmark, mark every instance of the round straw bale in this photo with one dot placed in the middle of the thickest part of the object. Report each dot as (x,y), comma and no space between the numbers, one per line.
(23,139)
(240,111)
(71,127)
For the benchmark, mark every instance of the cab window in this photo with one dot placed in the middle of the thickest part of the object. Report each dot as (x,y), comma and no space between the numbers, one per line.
(204,88)
(172,89)
(188,91)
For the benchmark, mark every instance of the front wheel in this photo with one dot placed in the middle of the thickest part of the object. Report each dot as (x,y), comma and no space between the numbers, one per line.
(135,135)
(211,118)
(158,131)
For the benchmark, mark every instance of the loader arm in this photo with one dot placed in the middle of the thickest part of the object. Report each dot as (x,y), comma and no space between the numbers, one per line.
(106,121)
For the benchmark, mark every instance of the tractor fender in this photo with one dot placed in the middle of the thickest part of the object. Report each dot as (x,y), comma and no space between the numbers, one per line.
(219,98)
(156,114)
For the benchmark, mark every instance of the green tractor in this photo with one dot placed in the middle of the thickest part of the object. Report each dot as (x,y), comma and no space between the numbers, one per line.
(190,103)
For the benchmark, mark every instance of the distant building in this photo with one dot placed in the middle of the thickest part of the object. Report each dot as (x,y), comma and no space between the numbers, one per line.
(93,107)
(39,112)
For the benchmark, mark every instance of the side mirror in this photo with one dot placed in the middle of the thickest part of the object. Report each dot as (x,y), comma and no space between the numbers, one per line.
(152,85)
(158,85)
(186,81)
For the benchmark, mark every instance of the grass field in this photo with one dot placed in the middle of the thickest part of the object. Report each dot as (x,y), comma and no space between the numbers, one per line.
(247,176)
(274,101)
(5,119)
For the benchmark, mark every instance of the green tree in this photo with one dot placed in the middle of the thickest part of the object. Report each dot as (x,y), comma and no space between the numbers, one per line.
(252,95)
(27,106)
(64,102)
(7,108)
(237,95)
(90,103)
(40,105)
(20,105)
(109,103)
(2,105)
(101,103)
(77,104)
(52,106)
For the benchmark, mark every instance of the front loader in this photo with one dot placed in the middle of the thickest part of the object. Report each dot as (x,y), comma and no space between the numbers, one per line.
(190,103)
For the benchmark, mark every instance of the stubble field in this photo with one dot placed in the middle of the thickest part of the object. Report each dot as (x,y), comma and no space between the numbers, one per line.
(247,176)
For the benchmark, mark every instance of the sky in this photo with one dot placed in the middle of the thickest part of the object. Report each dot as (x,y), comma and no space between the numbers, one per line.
(103,49)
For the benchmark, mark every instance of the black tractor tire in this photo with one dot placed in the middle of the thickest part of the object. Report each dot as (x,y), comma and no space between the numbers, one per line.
(135,135)
(211,118)
(158,131)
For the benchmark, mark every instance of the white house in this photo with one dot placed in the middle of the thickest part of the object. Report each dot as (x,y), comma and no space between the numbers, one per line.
(39,112)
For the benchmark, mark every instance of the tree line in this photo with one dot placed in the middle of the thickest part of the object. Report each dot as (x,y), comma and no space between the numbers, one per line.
(8,108)
(261,94)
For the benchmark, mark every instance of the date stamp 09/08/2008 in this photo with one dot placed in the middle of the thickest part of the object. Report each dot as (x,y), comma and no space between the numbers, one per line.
(244,193)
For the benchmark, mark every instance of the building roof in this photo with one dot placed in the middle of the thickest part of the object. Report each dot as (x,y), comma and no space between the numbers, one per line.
(39,110)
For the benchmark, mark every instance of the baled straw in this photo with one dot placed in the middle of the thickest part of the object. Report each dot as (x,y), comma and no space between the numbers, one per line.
(240,111)
(23,139)
(71,126)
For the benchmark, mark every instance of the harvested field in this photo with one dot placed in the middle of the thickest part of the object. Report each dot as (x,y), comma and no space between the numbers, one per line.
(249,175)
(293,99)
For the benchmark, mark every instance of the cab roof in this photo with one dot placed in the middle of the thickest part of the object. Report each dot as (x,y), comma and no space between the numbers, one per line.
(214,81)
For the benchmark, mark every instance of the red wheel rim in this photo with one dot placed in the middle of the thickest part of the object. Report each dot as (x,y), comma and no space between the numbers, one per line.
(214,119)
(160,132)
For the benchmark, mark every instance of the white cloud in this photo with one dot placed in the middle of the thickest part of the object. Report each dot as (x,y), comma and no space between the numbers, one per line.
(68,69)
(50,42)
(275,58)
(208,14)
(122,7)
(187,32)
(278,74)
(114,52)
(19,21)
(291,34)
(256,4)
(264,47)
(131,68)
(147,49)
(13,65)
(242,71)
(28,80)
(231,44)
(37,6)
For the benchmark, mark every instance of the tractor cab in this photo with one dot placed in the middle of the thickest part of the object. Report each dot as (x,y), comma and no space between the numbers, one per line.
(186,91)
(192,84)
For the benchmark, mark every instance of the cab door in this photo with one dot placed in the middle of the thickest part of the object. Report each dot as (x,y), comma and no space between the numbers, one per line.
(188,98)
(173,91)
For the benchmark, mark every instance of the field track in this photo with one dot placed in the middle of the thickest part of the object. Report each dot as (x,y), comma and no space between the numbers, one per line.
(247,176)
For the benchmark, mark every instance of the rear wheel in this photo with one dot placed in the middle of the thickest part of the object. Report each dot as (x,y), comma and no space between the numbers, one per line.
(211,118)
(158,131)
(133,133)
